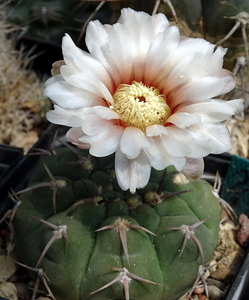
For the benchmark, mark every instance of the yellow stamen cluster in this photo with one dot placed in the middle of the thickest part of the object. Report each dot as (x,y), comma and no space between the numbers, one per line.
(140,106)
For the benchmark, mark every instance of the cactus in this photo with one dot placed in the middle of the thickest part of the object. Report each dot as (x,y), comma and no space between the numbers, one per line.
(87,239)
(213,20)
(48,20)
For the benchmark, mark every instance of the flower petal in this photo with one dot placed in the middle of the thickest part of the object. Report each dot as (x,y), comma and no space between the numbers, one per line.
(199,62)
(132,173)
(184,119)
(121,61)
(207,63)
(65,117)
(156,60)
(193,48)
(82,61)
(105,142)
(73,136)
(58,116)
(193,168)
(87,82)
(159,159)
(142,30)
(159,22)
(93,124)
(213,110)
(53,79)
(200,147)
(198,90)
(156,130)
(105,113)
(56,66)
(132,142)
(217,135)
(68,96)
(178,142)
(230,84)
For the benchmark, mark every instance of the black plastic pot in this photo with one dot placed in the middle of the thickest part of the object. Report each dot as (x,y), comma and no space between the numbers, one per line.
(17,173)
(10,160)
(239,290)
(20,170)
(9,156)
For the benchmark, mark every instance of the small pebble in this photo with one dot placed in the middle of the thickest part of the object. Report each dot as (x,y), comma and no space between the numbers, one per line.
(199,290)
(215,293)
(202,297)
(243,232)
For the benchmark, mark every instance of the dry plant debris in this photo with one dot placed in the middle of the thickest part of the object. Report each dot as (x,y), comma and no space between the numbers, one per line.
(231,253)
(22,103)
(239,124)
(8,291)
(226,262)
(240,136)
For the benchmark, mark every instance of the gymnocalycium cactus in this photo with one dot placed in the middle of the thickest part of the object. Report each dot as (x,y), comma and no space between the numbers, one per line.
(89,234)
(144,93)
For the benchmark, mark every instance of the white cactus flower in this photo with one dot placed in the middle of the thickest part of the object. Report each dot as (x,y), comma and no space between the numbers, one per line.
(144,93)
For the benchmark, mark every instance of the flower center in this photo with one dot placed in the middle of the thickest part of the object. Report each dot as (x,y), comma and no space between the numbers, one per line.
(140,106)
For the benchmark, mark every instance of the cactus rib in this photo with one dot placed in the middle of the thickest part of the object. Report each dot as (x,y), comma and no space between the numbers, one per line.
(121,226)
(54,184)
(124,277)
(188,232)
(59,232)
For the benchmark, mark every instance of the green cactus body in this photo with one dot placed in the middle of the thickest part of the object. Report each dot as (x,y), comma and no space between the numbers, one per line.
(189,11)
(128,242)
(219,22)
(217,16)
